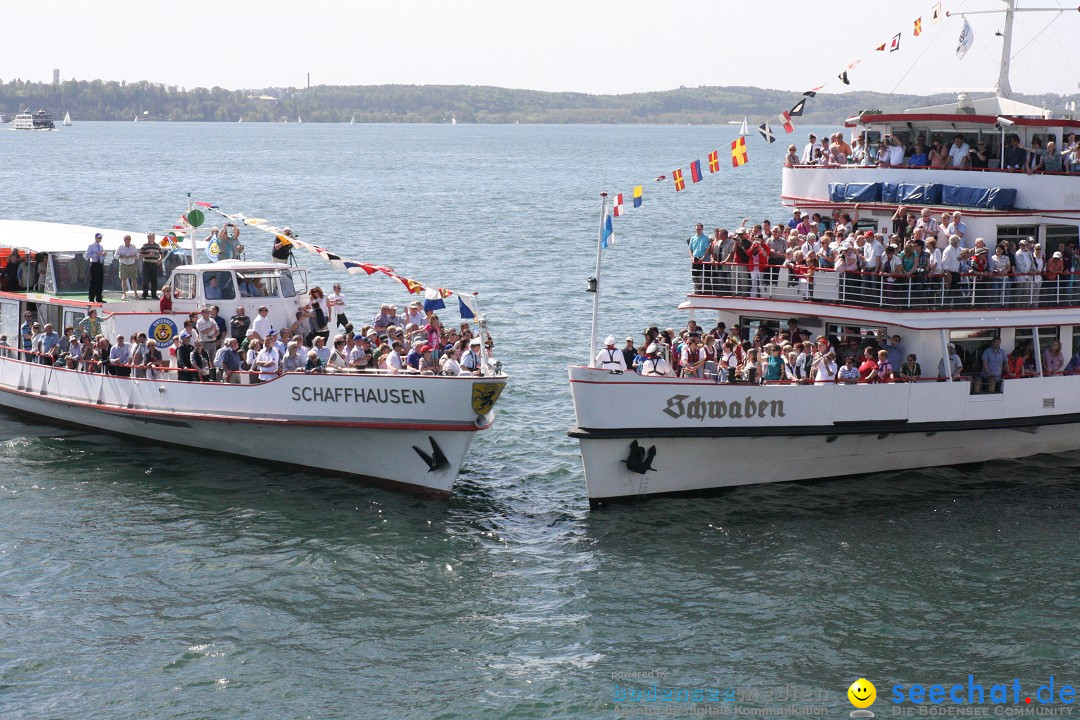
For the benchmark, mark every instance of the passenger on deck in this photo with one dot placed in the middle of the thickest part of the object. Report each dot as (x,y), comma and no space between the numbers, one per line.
(910,371)
(188,370)
(956,365)
(267,361)
(1053,361)
(939,157)
(611,358)
(848,374)
(992,368)
(314,363)
(165,303)
(654,365)
(959,152)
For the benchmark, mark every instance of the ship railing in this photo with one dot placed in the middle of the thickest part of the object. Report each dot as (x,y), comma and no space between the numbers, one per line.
(915,291)
(853,166)
(215,374)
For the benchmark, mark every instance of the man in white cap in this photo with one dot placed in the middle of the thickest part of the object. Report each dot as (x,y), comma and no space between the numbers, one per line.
(808,150)
(1023,267)
(956,365)
(470,361)
(654,365)
(610,358)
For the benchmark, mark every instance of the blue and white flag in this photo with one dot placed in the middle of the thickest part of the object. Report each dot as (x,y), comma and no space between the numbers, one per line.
(607,237)
(433,299)
(967,37)
(467,306)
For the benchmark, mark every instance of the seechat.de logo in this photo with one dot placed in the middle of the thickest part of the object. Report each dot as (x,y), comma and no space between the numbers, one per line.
(862,694)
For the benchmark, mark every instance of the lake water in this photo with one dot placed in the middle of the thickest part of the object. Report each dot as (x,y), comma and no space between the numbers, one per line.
(149,582)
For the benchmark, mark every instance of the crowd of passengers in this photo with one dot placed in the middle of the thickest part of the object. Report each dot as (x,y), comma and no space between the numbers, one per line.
(923,261)
(789,356)
(210,348)
(833,151)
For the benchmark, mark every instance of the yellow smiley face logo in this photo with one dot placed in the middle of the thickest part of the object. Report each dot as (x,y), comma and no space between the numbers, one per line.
(862,693)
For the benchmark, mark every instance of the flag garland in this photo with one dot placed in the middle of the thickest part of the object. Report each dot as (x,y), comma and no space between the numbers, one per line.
(714,161)
(336,261)
(785,120)
(739,155)
(738,152)
(695,171)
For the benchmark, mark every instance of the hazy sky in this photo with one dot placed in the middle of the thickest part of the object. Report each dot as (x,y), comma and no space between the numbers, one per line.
(613,47)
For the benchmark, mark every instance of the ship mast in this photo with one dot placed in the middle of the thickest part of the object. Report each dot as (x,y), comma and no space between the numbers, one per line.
(1003,89)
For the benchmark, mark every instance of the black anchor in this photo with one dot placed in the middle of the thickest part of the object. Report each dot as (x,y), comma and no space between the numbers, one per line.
(640,461)
(436,459)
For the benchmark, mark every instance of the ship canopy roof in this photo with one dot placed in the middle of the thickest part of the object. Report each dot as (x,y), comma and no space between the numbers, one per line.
(984,106)
(51,237)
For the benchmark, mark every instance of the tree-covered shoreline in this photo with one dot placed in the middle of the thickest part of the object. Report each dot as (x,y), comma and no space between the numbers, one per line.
(119,100)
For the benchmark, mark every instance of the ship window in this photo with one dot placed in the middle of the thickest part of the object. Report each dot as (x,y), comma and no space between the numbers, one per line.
(1015,233)
(1047,335)
(1075,339)
(183,286)
(218,285)
(9,321)
(842,334)
(970,345)
(1060,236)
(752,326)
(257,284)
(287,289)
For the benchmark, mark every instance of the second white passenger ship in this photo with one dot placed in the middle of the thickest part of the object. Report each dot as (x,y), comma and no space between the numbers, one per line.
(642,435)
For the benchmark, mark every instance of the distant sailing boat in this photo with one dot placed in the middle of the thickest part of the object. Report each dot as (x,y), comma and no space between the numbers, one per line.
(352,121)
(67,119)
(743,130)
(453,120)
(298,119)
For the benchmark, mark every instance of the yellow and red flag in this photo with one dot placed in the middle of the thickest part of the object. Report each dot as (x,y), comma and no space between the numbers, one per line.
(738,152)
(714,161)
(680,184)
(918,27)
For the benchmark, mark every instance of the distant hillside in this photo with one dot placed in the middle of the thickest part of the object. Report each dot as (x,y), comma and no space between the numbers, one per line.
(101,100)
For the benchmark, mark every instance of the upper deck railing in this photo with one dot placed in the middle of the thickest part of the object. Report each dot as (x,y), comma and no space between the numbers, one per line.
(912,292)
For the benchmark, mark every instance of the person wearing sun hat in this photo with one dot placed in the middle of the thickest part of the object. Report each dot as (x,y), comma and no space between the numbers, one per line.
(610,358)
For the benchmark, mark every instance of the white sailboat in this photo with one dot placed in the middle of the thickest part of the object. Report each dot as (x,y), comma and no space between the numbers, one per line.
(299,119)
(453,120)
(67,119)
(352,121)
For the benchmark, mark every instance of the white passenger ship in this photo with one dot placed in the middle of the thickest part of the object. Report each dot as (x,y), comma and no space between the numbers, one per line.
(644,436)
(405,431)
(40,120)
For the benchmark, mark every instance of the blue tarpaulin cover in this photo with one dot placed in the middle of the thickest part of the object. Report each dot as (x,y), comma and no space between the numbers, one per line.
(960,195)
(921,193)
(1000,198)
(855,192)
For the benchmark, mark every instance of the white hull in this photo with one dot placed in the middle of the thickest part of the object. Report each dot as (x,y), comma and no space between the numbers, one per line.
(341,424)
(699,465)
(782,433)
